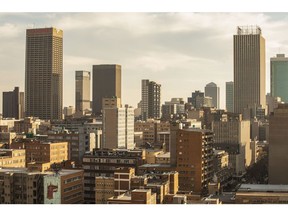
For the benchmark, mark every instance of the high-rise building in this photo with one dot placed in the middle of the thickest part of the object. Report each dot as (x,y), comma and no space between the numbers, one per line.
(195,94)
(230,96)
(106,84)
(151,100)
(249,69)
(194,155)
(278,161)
(44,73)
(279,77)
(82,91)
(213,91)
(13,104)
(118,125)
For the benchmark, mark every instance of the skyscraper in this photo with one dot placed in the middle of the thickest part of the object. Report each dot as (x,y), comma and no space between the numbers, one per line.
(230,96)
(249,69)
(278,148)
(106,84)
(212,90)
(44,73)
(82,91)
(279,77)
(13,104)
(151,100)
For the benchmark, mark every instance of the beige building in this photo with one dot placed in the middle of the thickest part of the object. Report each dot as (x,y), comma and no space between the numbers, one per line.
(137,196)
(163,158)
(27,125)
(232,134)
(44,73)
(7,137)
(82,91)
(151,130)
(249,69)
(118,125)
(104,189)
(43,152)
(278,148)
(262,194)
(12,158)
(194,155)
(19,186)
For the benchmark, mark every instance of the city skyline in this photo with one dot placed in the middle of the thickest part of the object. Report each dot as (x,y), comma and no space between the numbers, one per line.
(170,48)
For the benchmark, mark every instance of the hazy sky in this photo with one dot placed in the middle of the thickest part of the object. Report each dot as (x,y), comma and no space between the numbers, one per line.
(181,51)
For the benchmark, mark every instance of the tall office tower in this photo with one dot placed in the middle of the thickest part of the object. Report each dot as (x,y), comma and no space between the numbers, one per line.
(230,96)
(213,91)
(82,91)
(279,77)
(118,125)
(13,104)
(278,148)
(151,100)
(106,84)
(196,94)
(194,154)
(44,73)
(249,69)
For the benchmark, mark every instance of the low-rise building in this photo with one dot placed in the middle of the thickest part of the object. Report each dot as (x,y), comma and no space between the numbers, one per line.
(262,194)
(137,196)
(42,152)
(64,187)
(20,186)
(12,158)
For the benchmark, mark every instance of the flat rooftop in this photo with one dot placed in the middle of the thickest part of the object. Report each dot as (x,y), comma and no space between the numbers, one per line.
(263,188)
(21,170)
(156,165)
(64,172)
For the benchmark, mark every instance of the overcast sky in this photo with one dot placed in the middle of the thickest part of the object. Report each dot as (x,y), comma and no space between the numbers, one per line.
(181,51)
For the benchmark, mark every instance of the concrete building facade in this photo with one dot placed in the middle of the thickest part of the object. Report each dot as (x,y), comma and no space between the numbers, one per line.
(249,69)
(44,73)
(82,91)
(194,159)
(278,136)
(106,84)
(151,100)
(213,91)
(118,125)
(230,96)
(13,104)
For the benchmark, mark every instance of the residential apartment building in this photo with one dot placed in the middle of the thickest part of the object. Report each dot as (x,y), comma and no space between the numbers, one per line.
(104,163)
(194,154)
(151,100)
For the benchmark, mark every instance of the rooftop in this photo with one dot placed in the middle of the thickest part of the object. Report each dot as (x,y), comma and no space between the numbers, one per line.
(263,188)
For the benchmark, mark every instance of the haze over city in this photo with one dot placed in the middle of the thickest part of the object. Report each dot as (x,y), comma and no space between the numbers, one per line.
(181,51)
